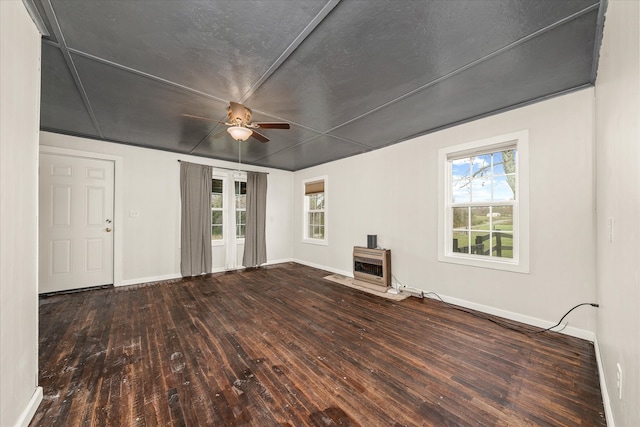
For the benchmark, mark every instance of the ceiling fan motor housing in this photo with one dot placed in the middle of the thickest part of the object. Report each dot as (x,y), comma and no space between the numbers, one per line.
(238,114)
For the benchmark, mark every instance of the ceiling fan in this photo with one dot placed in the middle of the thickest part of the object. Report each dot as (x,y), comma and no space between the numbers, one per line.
(240,125)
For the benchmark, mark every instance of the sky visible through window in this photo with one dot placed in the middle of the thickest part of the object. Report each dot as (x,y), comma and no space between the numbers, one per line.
(480,179)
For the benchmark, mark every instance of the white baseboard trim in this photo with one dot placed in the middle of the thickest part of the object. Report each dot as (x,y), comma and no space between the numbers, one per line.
(533,321)
(28,413)
(279,261)
(141,280)
(151,279)
(224,270)
(322,267)
(241,267)
(608,412)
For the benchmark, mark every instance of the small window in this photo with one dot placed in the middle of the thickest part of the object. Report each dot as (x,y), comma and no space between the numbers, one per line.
(217,210)
(315,210)
(241,208)
(484,215)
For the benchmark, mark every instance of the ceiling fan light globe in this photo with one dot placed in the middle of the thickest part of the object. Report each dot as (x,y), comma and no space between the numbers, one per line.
(239,133)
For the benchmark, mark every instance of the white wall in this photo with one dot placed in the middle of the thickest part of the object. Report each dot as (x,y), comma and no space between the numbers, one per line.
(618,198)
(393,193)
(19,122)
(150,243)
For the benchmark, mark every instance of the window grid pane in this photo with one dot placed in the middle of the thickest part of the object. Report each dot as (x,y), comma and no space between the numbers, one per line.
(315,226)
(216,232)
(483,199)
(217,206)
(240,191)
(241,223)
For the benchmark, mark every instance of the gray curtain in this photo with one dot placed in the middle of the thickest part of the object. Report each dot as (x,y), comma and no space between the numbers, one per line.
(195,236)
(255,246)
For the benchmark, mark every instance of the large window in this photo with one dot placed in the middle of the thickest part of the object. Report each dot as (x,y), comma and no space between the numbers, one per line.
(483,190)
(315,210)
(483,196)
(217,210)
(241,208)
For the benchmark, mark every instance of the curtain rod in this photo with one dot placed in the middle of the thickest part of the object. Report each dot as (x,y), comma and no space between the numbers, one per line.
(227,169)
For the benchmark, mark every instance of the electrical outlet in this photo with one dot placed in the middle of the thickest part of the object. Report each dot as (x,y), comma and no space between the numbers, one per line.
(619,380)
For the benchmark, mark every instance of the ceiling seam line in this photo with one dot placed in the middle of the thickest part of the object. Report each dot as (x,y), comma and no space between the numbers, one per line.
(143,74)
(300,38)
(51,43)
(57,30)
(157,79)
(359,144)
(288,148)
(205,138)
(473,63)
(198,92)
(310,140)
(174,84)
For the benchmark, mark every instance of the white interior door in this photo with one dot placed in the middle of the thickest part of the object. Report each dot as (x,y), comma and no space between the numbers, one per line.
(76,222)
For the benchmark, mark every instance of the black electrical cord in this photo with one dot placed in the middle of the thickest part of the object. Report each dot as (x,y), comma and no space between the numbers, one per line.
(511,326)
(592,304)
(503,324)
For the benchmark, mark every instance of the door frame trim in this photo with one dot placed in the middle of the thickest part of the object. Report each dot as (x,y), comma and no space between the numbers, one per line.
(117,200)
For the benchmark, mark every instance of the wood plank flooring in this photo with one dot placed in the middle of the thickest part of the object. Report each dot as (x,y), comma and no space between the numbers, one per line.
(281,346)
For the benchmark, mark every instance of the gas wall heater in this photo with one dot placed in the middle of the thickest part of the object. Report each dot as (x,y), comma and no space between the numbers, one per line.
(372,266)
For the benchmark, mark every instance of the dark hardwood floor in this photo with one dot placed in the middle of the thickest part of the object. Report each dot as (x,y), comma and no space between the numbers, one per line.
(281,346)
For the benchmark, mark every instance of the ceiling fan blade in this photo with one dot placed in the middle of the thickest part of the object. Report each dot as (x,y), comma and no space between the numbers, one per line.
(260,137)
(273,125)
(201,118)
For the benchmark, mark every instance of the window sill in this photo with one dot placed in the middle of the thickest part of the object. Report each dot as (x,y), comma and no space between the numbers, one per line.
(316,242)
(494,264)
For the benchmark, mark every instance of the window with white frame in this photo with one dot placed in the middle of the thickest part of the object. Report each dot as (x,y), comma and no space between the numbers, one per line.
(217,209)
(241,208)
(484,199)
(315,210)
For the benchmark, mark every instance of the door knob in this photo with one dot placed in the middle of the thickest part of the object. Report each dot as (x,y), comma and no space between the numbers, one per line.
(108,230)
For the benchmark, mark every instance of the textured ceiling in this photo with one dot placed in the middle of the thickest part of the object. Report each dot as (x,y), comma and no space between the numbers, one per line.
(350,76)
